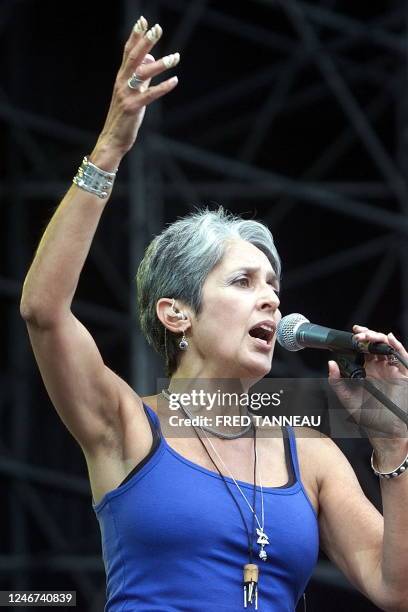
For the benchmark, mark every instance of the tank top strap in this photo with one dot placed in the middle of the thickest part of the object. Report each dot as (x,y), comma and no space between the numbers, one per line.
(153,418)
(293,451)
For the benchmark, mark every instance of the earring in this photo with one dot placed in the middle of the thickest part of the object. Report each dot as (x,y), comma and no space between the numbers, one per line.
(183,344)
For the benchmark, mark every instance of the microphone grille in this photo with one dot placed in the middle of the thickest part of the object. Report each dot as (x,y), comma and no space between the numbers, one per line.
(286,331)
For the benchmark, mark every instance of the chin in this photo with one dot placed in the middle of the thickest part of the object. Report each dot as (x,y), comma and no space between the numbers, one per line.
(257,368)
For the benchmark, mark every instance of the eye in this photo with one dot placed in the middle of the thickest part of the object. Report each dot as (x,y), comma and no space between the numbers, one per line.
(242,282)
(276,289)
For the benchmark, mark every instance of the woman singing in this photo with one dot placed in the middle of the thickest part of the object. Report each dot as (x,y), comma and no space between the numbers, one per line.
(222,518)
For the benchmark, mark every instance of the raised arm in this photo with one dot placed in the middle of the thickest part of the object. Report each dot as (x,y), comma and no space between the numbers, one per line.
(86,393)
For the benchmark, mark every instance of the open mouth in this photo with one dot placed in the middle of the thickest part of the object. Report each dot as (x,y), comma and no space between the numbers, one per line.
(263,333)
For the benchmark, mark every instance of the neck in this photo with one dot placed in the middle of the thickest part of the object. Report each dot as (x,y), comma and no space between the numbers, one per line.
(211,375)
(211,396)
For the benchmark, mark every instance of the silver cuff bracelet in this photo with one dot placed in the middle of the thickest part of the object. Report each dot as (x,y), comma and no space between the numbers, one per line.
(91,178)
(395,473)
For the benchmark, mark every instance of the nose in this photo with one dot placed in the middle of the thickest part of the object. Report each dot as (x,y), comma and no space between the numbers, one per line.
(269,299)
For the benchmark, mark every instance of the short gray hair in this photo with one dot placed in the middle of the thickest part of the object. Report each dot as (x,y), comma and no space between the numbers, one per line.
(177,262)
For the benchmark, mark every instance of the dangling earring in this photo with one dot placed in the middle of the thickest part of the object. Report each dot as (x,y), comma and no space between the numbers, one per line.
(183,344)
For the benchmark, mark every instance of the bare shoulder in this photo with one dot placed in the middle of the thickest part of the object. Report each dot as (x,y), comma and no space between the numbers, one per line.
(310,440)
(316,449)
(323,462)
(316,454)
(151,401)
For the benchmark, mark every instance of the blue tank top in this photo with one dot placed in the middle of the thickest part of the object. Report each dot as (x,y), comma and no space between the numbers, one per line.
(174,541)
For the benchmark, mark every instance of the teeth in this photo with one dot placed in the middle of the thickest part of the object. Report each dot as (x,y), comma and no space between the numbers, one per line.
(171,60)
(154,33)
(267,328)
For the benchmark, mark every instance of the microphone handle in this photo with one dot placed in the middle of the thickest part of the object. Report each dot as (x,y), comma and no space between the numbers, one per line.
(319,337)
(376,348)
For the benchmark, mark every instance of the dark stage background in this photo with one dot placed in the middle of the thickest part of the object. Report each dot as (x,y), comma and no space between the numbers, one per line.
(294,112)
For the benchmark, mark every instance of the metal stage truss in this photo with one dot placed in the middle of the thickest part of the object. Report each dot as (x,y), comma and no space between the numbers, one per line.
(293,111)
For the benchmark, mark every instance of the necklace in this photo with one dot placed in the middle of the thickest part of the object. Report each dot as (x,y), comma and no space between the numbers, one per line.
(250,570)
(210,430)
(263,538)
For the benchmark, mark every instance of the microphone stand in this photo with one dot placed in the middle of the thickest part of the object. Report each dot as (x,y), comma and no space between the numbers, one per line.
(354,369)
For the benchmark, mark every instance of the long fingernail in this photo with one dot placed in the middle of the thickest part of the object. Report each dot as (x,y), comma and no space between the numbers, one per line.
(154,33)
(171,60)
(141,25)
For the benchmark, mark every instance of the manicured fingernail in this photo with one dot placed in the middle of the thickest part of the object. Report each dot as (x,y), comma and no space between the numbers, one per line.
(171,60)
(173,80)
(154,33)
(391,335)
(141,25)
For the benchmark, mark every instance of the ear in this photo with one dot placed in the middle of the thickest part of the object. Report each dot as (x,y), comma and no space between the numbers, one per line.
(170,317)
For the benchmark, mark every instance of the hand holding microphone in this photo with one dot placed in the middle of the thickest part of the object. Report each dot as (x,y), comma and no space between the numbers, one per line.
(295,332)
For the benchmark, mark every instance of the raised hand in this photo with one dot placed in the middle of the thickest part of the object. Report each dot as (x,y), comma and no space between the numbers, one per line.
(132,91)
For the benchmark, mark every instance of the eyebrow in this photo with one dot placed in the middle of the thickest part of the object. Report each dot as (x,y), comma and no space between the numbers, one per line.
(251,269)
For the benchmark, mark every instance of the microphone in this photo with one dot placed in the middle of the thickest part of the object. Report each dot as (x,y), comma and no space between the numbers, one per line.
(295,332)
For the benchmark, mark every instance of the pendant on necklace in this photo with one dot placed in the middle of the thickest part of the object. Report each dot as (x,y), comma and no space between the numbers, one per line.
(251,575)
(263,540)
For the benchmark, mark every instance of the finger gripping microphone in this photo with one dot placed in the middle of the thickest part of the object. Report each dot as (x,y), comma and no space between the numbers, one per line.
(295,332)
